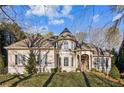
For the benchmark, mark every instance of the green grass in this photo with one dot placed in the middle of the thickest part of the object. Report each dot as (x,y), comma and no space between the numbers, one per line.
(97,81)
(71,79)
(67,80)
(35,80)
(25,80)
(7,80)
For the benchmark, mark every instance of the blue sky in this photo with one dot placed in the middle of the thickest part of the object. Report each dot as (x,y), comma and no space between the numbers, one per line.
(56,18)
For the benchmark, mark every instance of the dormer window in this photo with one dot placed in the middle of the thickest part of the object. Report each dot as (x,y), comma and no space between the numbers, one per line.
(65,44)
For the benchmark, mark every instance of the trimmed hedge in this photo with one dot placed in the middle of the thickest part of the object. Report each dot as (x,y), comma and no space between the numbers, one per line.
(53,70)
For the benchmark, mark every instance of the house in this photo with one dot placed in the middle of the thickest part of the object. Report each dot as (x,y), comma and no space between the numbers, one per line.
(61,51)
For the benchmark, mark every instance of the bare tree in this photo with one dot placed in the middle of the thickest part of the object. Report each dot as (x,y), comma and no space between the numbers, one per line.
(81,36)
(5,16)
(108,38)
(98,37)
(113,38)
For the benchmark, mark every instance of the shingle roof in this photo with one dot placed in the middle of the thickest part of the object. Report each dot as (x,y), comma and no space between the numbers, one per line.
(96,50)
(39,42)
(50,42)
(66,34)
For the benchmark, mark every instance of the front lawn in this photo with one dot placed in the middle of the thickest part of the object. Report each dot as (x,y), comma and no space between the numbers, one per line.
(99,81)
(23,80)
(72,79)
(67,80)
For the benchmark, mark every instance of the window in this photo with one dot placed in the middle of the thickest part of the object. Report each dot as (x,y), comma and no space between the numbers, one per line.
(39,58)
(59,61)
(98,62)
(72,62)
(44,59)
(16,59)
(72,45)
(65,61)
(107,62)
(20,59)
(23,59)
(65,44)
(95,62)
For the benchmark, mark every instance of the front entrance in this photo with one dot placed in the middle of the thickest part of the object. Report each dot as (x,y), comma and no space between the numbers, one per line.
(84,62)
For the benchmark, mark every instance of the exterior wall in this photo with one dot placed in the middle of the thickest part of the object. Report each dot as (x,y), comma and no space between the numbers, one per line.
(12,68)
(52,59)
(109,65)
(67,53)
(89,53)
(69,67)
(102,67)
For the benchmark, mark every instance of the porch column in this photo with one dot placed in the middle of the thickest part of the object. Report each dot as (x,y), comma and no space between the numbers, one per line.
(90,62)
(80,62)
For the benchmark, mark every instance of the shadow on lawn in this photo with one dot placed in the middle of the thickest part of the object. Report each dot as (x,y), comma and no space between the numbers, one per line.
(108,82)
(21,78)
(49,80)
(86,80)
(8,79)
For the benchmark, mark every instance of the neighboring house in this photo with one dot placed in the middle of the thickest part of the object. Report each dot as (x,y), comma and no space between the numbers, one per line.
(61,51)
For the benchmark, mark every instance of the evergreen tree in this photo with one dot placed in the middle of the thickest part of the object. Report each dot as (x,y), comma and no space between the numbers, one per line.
(120,63)
(114,70)
(115,55)
(31,65)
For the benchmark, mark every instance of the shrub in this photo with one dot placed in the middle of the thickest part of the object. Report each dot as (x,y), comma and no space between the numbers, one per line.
(53,70)
(114,72)
(95,70)
(59,70)
(31,65)
(64,71)
(78,69)
(1,65)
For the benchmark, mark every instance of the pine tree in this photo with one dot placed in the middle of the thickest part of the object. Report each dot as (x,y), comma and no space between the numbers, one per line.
(122,56)
(115,55)
(120,63)
(31,65)
(114,70)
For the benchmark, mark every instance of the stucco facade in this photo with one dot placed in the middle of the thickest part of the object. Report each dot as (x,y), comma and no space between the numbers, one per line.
(63,52)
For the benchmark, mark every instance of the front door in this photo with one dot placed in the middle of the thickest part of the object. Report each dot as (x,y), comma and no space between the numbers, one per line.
(84,62)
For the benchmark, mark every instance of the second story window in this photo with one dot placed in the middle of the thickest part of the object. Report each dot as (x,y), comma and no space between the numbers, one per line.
(65,44)
(72,45)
